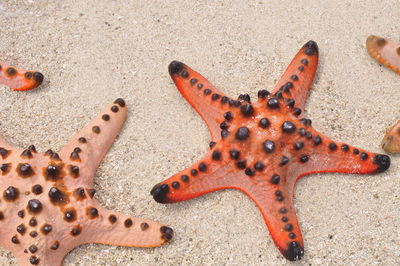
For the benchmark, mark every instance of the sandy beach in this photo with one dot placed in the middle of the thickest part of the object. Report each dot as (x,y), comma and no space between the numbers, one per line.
(92,52)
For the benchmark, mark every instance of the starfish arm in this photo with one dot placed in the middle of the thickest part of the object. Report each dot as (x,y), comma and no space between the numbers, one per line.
(205,176)
(331,156)
(279,215)
(19,80)
(385,52)
(204,97)
(111,228)
(88,147)
(192,182)
(296,82)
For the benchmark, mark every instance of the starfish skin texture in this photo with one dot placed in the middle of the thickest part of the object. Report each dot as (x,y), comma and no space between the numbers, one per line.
(385,52)
(47,206)
(19,80)
(262,148)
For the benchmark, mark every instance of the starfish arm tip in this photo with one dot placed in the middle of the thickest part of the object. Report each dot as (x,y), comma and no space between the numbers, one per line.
(294,251)
(175,67)
(159,193)
(19,80)
(312,46)
(382,161)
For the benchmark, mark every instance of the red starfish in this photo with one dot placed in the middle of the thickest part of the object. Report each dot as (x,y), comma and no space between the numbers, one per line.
(385,52)
(19,80)
(262,148)
(48,207)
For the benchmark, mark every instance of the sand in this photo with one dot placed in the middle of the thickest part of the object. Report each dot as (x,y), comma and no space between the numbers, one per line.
(92,52)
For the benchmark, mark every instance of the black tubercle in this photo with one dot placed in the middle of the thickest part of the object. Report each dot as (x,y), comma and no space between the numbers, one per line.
(216,155)
(247,110)
(264,122)
(175,67)
(235,154)
(288,127)
(294,251)
(57,196)
(244,98)
(311,48)
(273,103)
(32,148)
(290,102)
(120,102)
(212,144)
(262,93)
(383,162)
(38,77)
(242,133)
(34,206)
(228,116)
(249,172)
(269,146)
(159,192)
(166,232)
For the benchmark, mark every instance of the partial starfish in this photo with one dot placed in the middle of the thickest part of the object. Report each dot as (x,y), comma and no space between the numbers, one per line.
(48,207)
(391,140)
(19,80)
(263,148)
(385,52)
(388,54)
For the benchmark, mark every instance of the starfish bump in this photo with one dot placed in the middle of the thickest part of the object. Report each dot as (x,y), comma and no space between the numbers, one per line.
(262,148)
(47,206)
(385,52)
(19,80)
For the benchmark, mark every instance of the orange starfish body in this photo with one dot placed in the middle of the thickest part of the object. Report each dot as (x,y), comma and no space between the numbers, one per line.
(262,148)
(47,205)
(19,80)
(385,52)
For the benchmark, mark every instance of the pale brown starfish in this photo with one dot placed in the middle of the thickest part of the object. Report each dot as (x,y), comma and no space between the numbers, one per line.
(48,207)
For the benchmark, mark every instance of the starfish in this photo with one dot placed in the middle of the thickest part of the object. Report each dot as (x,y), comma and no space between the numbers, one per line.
(388,54)
(263,148)
(47,206)
(19,80)
(385,52)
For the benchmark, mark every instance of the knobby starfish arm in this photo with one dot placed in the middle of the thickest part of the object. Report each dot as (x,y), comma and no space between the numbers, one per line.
(385,52)
(299,75)
(204,97)
(277,210)
(112,228)
(204,176)
(279,215)
(87,148)
(331,156)
(19,80)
